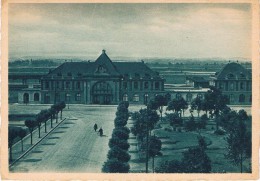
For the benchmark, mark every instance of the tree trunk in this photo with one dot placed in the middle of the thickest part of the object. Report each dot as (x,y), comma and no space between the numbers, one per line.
(10,153)
(153,164)
(147,135)
(22,144)
(45,127)
(241,163)
(39,129)
(61,114)
(57,114)
(31,137)
(51,120)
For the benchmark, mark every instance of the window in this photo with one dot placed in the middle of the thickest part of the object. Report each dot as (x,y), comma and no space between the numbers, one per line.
(230,76)
(241,85)
(220,85)
(136,98)
(178,96)
(124,85)
(67,97)
(231,87)
(57,97)
(78,85)
(189,97)
(242,76)
(78,97)
(36,97)
(136,85)
(241,98)
(57,85)
(231,98)
(250,98)
(69,74)
(199,96)
(157,85)
(67,85)
(47,85)
(146,85)
(146,99)
(125,97)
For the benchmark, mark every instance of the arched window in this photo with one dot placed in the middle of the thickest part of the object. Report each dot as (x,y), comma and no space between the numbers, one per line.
(178,96)
(230,76)
(67,97)
(26,98)
(136,98)
(241,85)
(146,85)
(136,85)
(231,98)
(78,97)
(157,85)
(125,97)
(241,98)
(78,85)
(189,97)
(200,96)
(36,97)
(146,96)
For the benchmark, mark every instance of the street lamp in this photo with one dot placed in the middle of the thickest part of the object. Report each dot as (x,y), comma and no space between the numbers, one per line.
(68,99)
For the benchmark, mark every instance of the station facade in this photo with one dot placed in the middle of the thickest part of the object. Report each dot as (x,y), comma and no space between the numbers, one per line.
(101,82)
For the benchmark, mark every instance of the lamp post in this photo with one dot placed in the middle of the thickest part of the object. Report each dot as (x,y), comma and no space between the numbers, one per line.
(68,97)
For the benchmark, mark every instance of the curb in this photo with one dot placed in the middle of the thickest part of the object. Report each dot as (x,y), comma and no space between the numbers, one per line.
(27,151)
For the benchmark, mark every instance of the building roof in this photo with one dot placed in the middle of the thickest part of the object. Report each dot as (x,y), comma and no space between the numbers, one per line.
(233,71)
(103,66)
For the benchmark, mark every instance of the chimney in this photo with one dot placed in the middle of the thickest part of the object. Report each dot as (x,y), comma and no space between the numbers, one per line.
(103,51)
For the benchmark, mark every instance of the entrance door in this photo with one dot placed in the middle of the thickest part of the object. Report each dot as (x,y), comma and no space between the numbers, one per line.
(102,93)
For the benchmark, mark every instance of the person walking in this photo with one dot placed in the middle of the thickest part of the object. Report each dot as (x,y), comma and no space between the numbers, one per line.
(95,127)
(100,131)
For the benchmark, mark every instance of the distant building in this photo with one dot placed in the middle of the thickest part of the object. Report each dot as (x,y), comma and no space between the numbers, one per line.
(198,81)
(235,81)
(101,82)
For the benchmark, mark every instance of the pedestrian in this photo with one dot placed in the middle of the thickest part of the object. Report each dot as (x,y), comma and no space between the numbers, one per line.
(95,127)
(100,131)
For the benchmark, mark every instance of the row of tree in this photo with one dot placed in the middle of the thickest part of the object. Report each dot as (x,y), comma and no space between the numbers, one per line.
(144,122)
(118,156)
(42,117)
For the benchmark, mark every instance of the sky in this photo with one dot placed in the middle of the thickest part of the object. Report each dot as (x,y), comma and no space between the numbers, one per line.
(130,30)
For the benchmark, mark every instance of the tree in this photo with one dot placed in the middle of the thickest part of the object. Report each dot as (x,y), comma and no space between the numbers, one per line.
(239,143)
(190,125)
(118,153)
(174,119)
(115,166)
(154,147)
(31,124)
(177,105)
(216,102)
(196,104)
(202,142)
(61,106)
(195,160)
(52,114)
(12,134)
(115,141)
(202,122)
(120,133)
(173,166)
(157,103)
(21,133)
(57,109)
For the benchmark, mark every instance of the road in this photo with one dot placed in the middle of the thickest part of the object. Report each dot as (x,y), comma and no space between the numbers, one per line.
(74,146)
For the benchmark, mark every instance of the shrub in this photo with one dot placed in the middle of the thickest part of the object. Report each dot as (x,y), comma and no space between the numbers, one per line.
(120,122)
(119,154)
(123,144)
(115,166)
(119,133)
(173,166)
(219,132)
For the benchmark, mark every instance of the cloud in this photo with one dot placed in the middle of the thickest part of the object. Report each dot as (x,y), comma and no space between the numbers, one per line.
(161,30)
